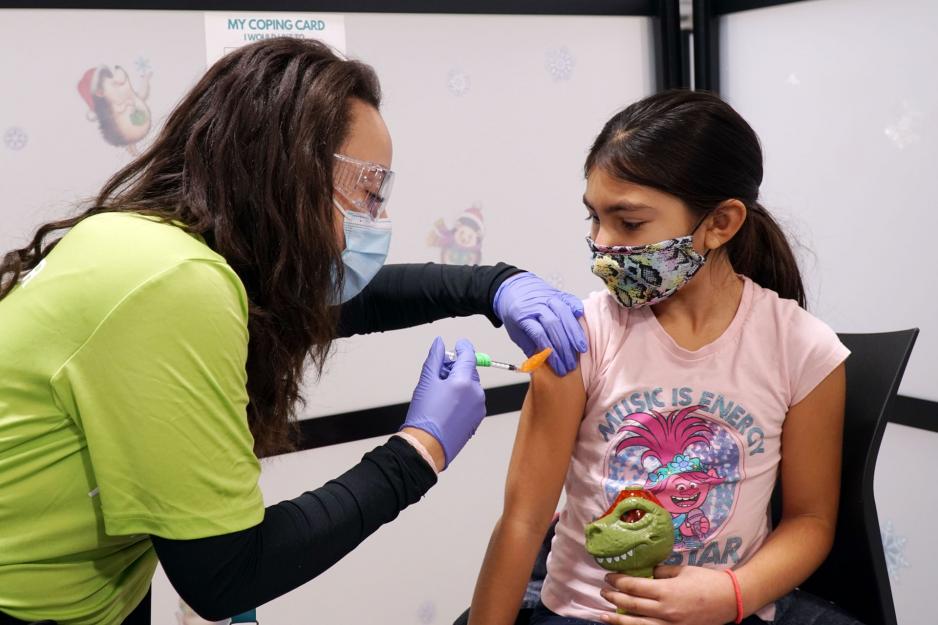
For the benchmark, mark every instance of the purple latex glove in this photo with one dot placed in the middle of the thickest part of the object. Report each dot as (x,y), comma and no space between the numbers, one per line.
(538,316)
(448,403)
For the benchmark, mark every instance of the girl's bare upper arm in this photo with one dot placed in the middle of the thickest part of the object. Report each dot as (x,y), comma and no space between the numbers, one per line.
(812,440)
(550,419)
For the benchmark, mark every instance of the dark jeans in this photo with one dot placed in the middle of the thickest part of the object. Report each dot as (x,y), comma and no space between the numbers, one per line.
(796,608)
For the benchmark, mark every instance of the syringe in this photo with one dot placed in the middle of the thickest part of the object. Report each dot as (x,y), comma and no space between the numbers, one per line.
(529,365)
(484,360)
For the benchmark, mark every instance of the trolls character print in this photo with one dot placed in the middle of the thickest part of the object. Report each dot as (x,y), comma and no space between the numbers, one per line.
(692,464)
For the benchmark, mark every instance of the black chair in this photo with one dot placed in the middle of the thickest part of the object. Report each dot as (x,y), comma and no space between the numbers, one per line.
(854,576)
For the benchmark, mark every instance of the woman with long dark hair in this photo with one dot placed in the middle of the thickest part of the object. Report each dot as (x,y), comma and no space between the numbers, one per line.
(151,354)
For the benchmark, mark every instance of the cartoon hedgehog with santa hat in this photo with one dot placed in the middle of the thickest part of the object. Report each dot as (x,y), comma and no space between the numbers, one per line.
(122,114)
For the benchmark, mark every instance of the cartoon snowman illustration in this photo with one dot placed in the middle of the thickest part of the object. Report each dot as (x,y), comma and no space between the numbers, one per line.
(461,244)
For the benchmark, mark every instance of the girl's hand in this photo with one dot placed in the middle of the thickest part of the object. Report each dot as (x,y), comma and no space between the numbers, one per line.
(679,595)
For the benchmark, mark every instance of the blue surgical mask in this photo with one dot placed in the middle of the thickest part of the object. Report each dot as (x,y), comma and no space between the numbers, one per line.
(367,242)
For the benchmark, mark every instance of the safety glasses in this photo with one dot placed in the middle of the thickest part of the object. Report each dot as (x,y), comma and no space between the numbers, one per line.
(364,186)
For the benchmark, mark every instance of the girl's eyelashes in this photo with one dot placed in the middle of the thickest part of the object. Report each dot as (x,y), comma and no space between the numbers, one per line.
(630,226)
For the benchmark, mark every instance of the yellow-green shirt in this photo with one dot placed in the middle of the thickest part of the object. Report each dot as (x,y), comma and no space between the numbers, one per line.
(122,414)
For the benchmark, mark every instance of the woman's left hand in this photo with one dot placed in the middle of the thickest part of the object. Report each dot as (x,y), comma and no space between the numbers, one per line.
(537,316)
(684,595)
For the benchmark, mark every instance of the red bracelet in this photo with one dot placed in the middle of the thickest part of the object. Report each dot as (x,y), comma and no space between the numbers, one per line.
(739,596)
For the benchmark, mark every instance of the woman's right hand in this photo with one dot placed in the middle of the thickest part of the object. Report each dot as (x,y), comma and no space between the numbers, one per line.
(448,403)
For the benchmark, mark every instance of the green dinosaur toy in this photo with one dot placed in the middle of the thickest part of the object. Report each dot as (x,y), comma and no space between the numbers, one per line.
(633,536)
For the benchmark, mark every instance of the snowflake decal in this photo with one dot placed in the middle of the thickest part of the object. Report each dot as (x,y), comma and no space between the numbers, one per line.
(426,613)
(555,280)
(559,63)
(458,83)
(15,138)
(894,547)
(903,131)
(143,66)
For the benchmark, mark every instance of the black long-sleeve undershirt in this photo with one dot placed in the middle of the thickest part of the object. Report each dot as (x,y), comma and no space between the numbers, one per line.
(220,576)
(402,296)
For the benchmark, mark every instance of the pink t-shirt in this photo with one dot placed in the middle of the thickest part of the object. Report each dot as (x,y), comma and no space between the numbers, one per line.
(708,423)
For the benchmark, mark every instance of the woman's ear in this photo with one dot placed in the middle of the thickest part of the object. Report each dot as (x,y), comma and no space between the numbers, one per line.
(723,223)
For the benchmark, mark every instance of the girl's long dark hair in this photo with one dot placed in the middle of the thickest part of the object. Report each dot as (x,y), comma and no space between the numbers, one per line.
(245,160)
(693,145)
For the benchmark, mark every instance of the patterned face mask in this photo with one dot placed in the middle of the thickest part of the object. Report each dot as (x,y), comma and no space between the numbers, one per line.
(643,275)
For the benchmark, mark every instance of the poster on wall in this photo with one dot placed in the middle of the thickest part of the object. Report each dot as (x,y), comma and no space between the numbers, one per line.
(226,31)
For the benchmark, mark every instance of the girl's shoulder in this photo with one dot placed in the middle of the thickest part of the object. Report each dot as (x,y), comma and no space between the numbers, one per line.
(601,305)
(604,320)
(784,317)
(807,348)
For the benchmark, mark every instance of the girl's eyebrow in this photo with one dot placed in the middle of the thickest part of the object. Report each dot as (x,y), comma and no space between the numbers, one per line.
(621,205)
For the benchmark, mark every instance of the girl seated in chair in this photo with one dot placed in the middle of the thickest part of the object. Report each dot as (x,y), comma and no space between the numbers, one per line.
(705,379)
